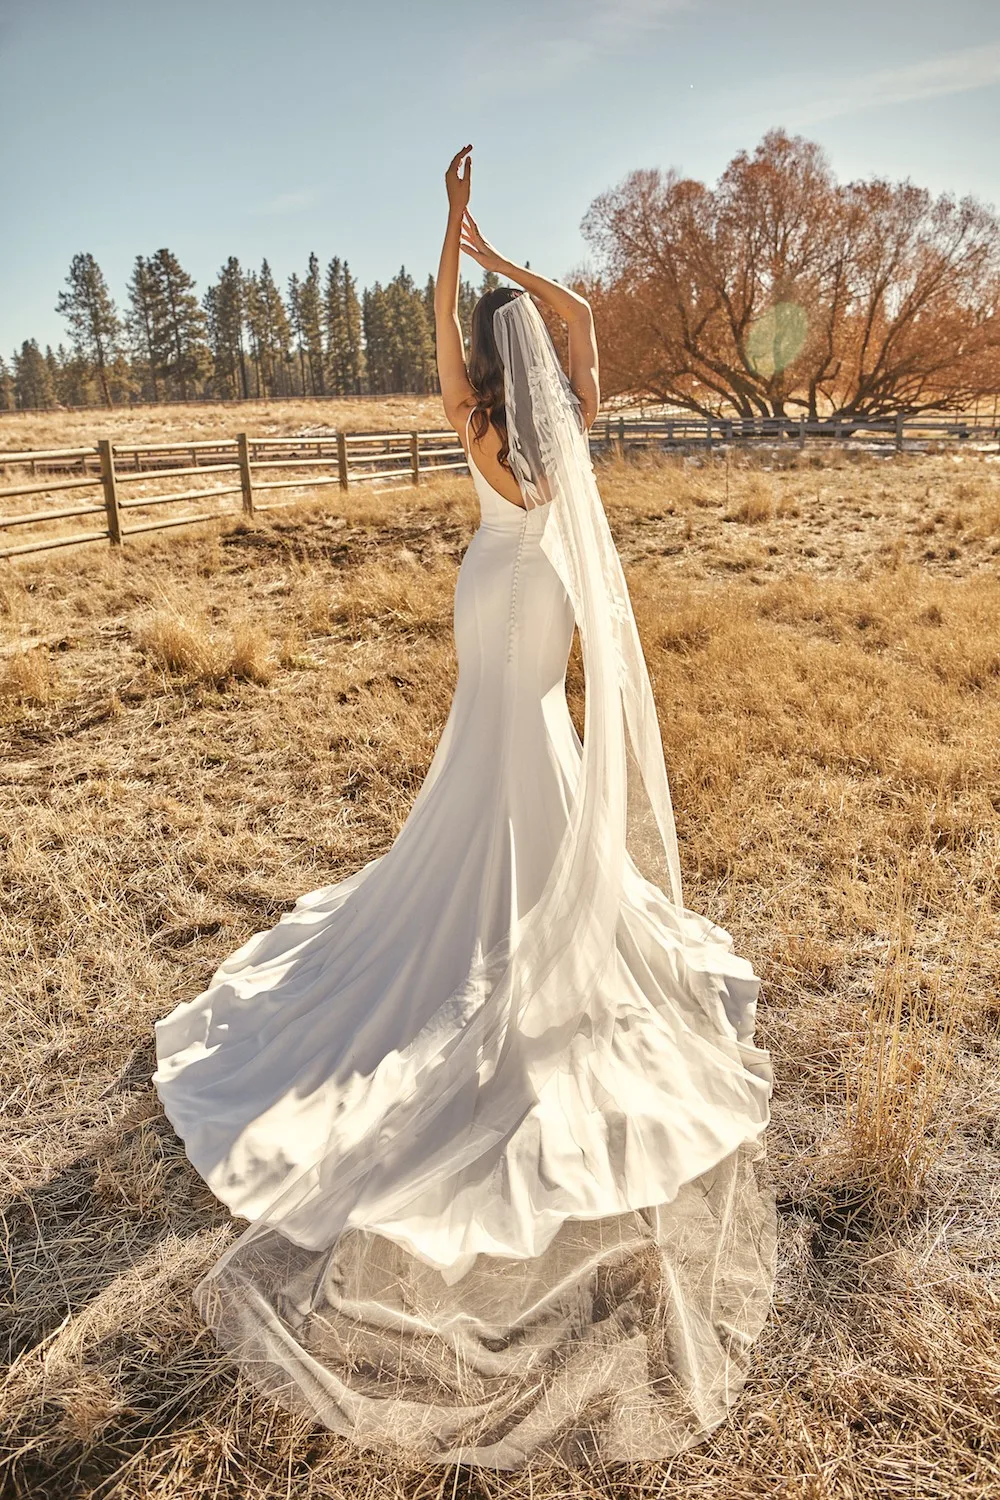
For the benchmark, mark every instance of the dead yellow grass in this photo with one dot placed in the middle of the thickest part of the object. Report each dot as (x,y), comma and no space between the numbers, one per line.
(23,431)
(756,502)
(220,719)
(183,643)
(26,676)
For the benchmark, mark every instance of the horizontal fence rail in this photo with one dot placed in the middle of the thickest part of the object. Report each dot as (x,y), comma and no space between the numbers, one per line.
(109,470)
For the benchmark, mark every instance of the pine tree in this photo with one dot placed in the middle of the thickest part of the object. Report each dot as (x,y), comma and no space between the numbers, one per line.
(311,303)
(429,289)
(373,313)
(277,330)
(76,383)
(233,312)
(52,365)
(8,398)
(270,332)
(412,337)
(146,326)
(219,383)
(183,323)
(467,299)
(225,310)
(32,378)
(93,319)
(295,313)
(355,363)
(399,343)
(251,301)
(121,378)
(335,317)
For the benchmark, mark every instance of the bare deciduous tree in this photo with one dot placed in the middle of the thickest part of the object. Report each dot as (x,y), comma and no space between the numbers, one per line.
(781,291)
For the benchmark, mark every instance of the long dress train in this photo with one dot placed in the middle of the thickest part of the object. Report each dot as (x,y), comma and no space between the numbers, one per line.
(590,1281)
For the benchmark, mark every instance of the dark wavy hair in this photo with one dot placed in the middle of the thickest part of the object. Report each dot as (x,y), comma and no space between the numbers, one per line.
(486,369)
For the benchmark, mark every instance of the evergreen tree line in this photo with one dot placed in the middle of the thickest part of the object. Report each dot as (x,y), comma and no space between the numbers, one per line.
(244,338)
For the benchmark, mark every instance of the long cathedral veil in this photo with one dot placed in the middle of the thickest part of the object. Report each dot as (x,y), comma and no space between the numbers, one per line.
(625,1331)
(624,774)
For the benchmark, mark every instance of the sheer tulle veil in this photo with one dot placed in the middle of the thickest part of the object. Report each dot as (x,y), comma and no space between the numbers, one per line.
(624,775)
(354,1323)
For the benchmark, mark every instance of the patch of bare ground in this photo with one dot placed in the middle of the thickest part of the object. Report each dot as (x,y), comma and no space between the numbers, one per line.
(218,719)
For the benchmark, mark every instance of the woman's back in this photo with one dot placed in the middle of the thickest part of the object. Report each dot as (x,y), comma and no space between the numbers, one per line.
(485,455)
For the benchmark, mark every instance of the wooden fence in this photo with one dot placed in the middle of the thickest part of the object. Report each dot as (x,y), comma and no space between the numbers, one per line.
(684,430)
(251,466)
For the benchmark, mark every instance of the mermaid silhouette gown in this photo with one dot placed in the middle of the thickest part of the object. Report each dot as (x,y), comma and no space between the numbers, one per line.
(596,1280)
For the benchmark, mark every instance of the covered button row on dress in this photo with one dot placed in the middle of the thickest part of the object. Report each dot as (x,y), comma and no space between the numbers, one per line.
(515,578)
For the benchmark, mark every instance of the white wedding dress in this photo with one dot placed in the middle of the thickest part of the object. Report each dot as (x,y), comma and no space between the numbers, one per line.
(454,1251)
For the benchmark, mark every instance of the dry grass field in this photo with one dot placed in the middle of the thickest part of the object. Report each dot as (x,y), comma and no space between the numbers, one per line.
(194,421)
(215,720)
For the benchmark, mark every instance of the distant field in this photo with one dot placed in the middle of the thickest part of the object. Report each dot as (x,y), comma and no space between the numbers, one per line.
(193,421)
(20,431)
(218,719)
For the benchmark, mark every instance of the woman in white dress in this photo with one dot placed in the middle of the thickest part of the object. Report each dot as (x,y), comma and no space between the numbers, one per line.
(492,1105)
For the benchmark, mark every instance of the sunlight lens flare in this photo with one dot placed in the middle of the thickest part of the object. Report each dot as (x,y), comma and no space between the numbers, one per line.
(777,338)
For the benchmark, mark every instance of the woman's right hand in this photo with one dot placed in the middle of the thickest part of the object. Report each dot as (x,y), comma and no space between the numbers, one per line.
(459,187)
(475,243)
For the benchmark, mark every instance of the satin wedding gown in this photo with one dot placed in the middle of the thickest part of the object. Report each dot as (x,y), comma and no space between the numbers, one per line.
(590,1279)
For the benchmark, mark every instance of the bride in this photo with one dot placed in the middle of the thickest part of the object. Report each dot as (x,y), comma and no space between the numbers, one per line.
(492,1105)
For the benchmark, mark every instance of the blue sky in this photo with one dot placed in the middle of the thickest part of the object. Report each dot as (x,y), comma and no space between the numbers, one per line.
(258,128)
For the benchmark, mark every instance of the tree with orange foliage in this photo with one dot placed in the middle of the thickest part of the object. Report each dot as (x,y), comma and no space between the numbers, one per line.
(780,292)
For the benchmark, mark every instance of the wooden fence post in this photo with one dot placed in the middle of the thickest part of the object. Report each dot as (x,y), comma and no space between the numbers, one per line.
(246,480)
(708,433)
(621,437)
(899,432)
(342,459)
(415,457)
(106,451)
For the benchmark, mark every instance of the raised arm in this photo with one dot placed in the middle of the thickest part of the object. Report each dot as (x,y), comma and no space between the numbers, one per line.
(583,362)
(456,392)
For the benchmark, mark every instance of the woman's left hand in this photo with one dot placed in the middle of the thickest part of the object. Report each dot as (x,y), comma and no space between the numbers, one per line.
(458,187)
(474,244)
